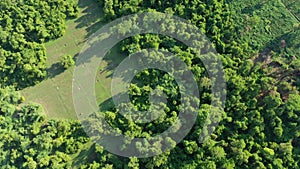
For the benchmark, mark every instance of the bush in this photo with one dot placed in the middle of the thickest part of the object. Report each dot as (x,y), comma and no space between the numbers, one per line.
(67,61)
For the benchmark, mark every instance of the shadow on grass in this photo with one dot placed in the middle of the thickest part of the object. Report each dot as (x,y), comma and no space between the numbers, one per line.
(55,70)
(107,105)
(92,20)
(92,16)
(86,156)
(113,58)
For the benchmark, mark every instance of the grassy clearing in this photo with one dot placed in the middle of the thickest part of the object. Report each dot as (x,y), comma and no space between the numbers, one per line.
(262,23)
(55,93)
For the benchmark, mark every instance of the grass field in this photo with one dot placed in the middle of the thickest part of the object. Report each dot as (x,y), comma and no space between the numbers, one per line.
(262,23)
(55,93)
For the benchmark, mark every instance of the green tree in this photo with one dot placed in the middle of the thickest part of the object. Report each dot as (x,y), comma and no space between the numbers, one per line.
(67,61)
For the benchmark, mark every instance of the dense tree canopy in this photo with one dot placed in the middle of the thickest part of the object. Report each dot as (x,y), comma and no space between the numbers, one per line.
(31,141)
(24,26)
(259,126)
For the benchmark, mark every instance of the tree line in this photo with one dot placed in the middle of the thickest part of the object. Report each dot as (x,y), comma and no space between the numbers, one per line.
(25,26)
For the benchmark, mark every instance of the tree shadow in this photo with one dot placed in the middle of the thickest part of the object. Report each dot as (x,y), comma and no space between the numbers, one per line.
(91,20)
(85,156)
(107,105)
(92,17)
(55,70)
(113,58)
(76,56)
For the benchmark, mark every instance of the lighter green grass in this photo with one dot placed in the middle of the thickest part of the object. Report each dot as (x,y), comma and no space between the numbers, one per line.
(55,93)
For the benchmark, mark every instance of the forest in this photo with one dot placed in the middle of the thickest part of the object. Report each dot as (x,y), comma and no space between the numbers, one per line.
(25,25)
(259,127)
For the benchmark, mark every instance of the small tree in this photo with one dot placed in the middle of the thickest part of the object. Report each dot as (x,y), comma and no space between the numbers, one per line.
(67,61)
